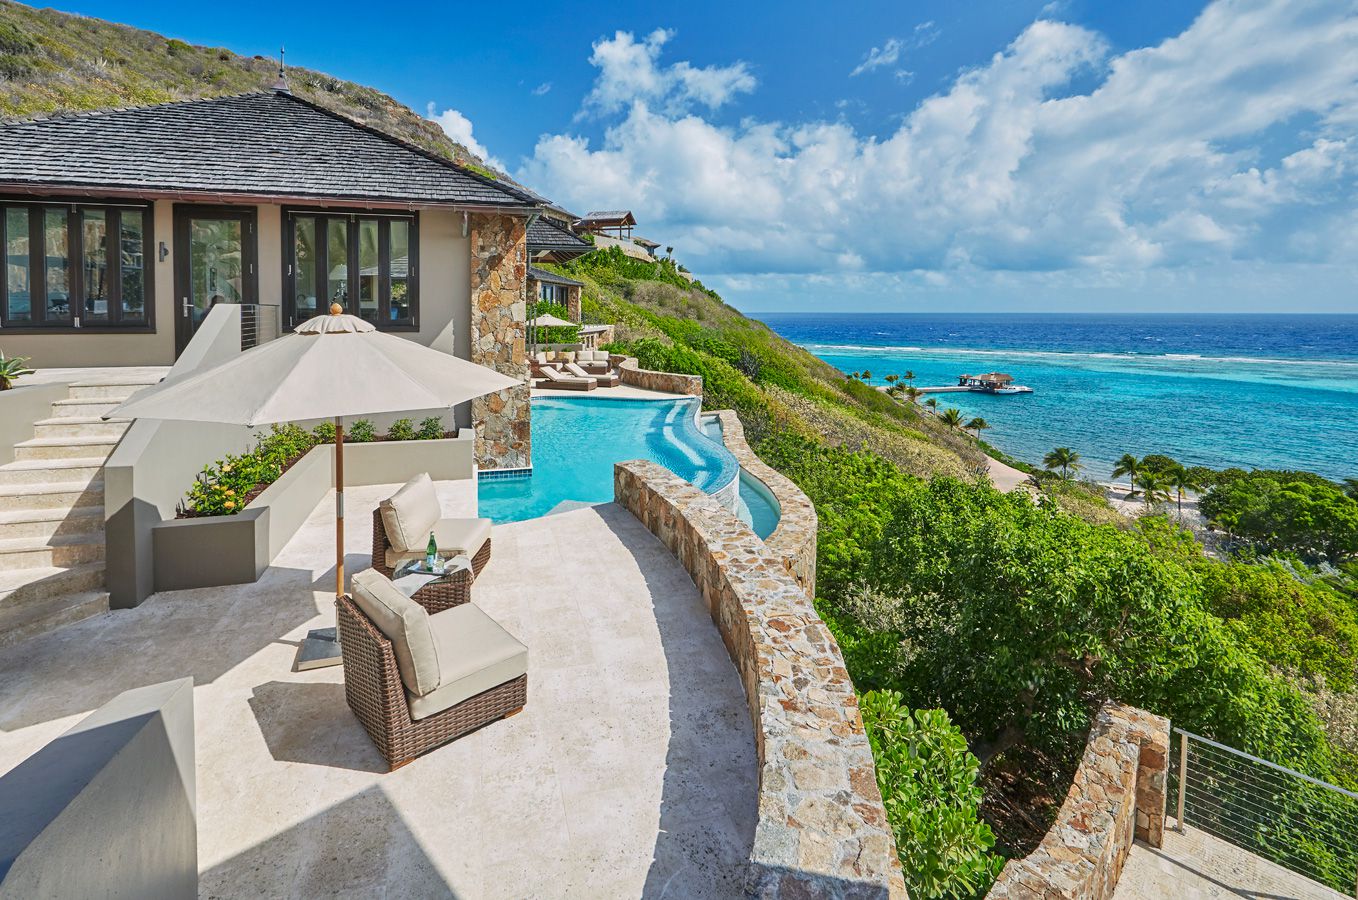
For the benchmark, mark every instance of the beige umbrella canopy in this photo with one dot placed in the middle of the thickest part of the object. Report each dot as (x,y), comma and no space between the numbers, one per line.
(333,366)
(546,320)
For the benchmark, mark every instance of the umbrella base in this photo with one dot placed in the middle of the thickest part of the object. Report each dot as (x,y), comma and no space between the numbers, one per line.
(320,649)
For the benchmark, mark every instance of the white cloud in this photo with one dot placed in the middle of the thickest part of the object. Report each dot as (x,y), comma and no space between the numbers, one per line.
(459,128)
(542,89)
(629,73)
(1234,143)
(885,55)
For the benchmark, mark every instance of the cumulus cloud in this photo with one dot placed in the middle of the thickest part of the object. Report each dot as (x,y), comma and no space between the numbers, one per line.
(629,72)
(459,128)
(1233,142)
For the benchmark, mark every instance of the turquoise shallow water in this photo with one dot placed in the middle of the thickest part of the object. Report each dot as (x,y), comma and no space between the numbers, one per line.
(1250,391)
(576,441)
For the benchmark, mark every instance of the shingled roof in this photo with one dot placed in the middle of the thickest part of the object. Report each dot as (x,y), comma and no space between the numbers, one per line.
(545,234)
(262,144)
(552,278)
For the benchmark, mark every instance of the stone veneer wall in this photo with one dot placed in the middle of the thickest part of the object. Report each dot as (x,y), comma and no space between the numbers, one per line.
(794,540)
(822,830)
(1118,794)
(630,372)
(499,266)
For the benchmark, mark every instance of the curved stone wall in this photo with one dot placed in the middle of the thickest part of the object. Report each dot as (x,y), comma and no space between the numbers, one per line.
(822,830)
(794,540)
(630,372)
(1118,794)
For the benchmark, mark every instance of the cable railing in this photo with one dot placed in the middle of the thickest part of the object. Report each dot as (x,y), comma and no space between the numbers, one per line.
(259,324)
(1299,822)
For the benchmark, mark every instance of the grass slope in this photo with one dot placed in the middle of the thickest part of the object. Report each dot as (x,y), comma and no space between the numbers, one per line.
(54,62)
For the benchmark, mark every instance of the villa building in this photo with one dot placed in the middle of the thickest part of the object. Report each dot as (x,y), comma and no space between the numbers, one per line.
(122,228)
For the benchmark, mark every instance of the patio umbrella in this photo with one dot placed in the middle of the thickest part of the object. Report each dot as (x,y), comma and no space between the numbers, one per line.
(333,366)
(546,320)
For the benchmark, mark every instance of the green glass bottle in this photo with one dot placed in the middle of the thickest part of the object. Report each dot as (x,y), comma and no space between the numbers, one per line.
(431,552)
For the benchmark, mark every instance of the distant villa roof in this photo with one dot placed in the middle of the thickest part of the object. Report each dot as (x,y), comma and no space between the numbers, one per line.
(644,242)
(546,234)
(609,217)
(552,278)
(263,144)
(999,377)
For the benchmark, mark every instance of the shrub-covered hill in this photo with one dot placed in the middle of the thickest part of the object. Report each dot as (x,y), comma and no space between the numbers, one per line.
(53,62)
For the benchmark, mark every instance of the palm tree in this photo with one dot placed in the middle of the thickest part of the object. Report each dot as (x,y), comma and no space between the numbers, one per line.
(978,425)
(1130,466)
(892,379)
(909,375)
(1152,488)
(913,393)
(1181,480)
(932,403)
(856,375)
(952,417)
(1063,458)
(867,376)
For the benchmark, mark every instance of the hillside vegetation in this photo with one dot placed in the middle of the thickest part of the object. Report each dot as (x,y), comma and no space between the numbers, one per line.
(52,62)
(1017,616)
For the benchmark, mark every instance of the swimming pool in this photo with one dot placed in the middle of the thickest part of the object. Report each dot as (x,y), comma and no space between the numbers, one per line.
(755,506)
(577,440)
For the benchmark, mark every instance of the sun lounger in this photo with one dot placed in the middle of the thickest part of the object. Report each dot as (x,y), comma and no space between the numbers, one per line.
(609,379)
(554,379)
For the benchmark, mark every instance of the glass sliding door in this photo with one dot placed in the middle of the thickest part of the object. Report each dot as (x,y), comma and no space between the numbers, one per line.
(214,262)
(57,266)
(364,262)
(18,268)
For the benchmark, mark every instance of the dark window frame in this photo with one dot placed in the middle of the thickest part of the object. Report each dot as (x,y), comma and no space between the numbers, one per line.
(75,258)
(322,217)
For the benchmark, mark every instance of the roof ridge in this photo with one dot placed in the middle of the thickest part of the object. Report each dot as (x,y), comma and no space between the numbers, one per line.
(64,114)
(414,148)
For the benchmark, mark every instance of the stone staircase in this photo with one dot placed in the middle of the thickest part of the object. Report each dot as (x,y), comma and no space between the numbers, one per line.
(52,513)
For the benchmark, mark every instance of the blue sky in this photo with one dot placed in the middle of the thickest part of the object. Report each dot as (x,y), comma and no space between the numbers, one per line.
(1073,155)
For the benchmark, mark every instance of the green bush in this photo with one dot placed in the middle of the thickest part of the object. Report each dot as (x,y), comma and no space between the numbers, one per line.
(431,429)
(361,432)
(928,781)
(324,433)
(401,430)
(224,487)
(1293,512)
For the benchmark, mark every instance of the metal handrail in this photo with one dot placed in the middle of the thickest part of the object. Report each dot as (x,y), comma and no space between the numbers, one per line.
(1250,808)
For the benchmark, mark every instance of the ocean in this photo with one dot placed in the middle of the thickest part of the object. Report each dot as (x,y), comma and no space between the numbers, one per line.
(1255,391)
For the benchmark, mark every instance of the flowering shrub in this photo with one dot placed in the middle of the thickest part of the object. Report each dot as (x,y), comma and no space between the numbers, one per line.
(224,487)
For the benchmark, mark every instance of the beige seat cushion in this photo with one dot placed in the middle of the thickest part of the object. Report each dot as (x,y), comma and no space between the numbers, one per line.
(409,514)
(475,654)
(406,624)
(577,371)
(455,537)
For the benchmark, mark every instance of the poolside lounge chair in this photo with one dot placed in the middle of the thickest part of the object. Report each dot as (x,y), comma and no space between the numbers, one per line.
(417,681)
(605,380)
(401,527)
(595,362)
(554,379)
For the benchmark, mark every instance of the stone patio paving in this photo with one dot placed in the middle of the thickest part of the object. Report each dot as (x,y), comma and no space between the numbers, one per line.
(1197,866)
(631,772)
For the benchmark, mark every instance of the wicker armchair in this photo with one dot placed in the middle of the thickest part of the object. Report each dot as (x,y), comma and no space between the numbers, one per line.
(437,595)
(375,693)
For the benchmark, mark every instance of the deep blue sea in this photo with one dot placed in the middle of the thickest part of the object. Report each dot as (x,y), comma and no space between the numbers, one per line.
(1264,391)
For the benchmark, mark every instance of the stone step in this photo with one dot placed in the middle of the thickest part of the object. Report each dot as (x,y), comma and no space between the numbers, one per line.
(40,616)
(65,448)
(106,390)
(50,471)
(17,554)
(49,523)
(82,408)
(21,587)
(59,496)
(78,426)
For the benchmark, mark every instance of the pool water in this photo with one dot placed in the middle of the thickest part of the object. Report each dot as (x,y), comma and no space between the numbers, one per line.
(577,440)
(756,506)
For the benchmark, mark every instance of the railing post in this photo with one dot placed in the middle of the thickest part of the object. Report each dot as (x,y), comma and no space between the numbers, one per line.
(1183,778)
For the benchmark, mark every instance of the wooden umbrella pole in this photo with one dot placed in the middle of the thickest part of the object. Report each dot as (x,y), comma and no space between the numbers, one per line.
(339,507)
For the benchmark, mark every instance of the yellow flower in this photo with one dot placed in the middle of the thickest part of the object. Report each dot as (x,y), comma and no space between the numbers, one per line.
(230,504)
(230,493)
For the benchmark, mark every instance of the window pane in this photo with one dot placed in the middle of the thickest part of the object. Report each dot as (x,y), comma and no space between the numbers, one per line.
(132,247)
(17,263)
(337,254)
(304,268)
(399,254)
(94,265)
(367,269)
(56,249)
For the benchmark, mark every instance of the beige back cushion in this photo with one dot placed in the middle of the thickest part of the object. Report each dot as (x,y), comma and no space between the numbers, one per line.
(576,370)
(403,622)
(409,514)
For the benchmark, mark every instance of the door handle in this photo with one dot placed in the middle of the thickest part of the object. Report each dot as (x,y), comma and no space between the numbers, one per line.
(187,307)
